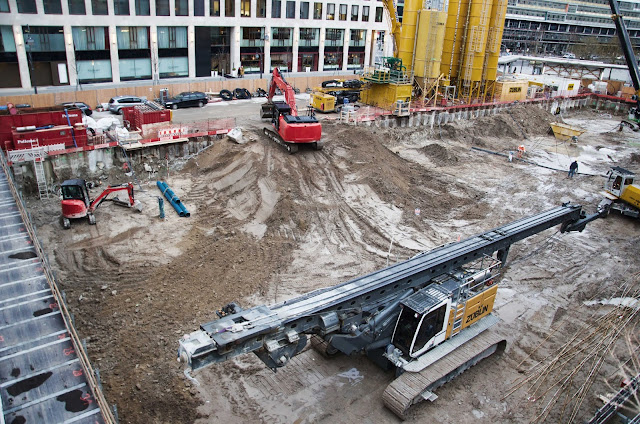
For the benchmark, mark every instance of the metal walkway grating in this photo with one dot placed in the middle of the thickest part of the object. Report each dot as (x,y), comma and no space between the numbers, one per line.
(45,376)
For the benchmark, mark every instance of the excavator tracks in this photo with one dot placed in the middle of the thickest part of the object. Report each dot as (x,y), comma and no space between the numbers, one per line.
(413,387)
(291,147)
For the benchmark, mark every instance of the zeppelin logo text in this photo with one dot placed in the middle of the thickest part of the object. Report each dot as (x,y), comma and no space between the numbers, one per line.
(481,310)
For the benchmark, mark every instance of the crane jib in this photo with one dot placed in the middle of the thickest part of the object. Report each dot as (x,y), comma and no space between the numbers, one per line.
(286,323)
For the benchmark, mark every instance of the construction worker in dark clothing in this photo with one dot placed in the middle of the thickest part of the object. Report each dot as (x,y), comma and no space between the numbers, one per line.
(573,168)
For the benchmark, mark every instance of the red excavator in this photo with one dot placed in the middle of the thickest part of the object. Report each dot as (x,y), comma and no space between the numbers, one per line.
(291,129)
(77,204)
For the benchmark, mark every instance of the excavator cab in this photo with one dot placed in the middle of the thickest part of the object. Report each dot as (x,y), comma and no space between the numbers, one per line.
(75,200)
(422,323)
(617,180)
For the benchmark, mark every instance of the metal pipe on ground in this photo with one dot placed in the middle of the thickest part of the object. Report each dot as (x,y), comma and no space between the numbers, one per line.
(173,199)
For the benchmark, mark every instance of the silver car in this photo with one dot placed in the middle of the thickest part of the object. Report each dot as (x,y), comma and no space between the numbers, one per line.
(117,103)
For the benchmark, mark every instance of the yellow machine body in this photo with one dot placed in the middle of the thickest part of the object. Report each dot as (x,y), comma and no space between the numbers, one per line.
(474,309)
(386,95)
(631,195)
(323,102)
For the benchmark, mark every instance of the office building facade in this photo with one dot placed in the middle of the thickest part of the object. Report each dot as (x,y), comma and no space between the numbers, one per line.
(70,42)
(557,27)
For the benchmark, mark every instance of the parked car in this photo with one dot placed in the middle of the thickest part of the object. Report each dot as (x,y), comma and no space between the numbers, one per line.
(569,56)
(117,103)
(80,105)
(187,99)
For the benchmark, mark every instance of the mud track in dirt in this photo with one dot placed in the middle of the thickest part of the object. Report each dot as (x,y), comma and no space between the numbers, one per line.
(267,226)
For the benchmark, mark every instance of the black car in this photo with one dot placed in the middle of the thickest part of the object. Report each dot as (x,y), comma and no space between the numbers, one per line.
(80,105)
(187,99)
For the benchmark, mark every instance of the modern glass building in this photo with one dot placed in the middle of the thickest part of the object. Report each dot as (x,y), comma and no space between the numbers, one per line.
(69,42)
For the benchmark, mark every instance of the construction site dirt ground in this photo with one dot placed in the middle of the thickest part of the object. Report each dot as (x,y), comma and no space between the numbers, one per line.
(266,226)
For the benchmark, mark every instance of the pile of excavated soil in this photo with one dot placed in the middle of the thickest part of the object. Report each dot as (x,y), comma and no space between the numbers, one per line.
(266,226)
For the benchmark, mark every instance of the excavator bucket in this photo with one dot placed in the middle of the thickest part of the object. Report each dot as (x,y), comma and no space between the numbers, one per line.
(267,111)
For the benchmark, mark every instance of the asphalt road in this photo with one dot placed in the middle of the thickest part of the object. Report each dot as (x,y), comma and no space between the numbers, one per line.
(248,109)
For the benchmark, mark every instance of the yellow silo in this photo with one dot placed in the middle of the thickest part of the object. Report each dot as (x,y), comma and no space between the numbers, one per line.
(494,40)
(476,41)
(453,38)
(407,39)
(429,43)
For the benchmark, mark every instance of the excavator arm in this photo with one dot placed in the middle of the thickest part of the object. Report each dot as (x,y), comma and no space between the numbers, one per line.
(396,26)
(277,80)
(103,196)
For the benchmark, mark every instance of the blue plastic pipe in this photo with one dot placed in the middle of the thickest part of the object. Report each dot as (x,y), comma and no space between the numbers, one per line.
(173,199)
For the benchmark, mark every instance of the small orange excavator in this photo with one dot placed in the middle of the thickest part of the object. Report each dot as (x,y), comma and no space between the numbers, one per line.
(77,204)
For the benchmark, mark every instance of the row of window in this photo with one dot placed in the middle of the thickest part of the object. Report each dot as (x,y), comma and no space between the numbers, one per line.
(540,27)
(142,8)
(47,39)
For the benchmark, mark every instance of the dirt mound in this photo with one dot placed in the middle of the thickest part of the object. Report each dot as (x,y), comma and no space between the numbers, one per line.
(635,158)
(439,154)
(519,122)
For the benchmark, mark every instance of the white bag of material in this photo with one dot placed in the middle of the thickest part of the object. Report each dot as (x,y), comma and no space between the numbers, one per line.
(89,122)
(236,135)
(105,124)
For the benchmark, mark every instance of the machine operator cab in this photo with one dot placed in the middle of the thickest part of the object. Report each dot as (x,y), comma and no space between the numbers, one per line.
(423,320)
(617,180)
(75,201)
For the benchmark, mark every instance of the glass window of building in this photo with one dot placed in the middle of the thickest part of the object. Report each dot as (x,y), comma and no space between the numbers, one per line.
(172,37)
(354,12)
(90,38)
(99,7)
(230,8)
(357,38)
(7,42)
(334,37)
(215,8)
(245,8)
(276,9)
(142,8)
(343,12)
(252,37)
(291,9)
(317,10)
(182,8)
(379,14)
(4,6)
(162,7)
(365,13)
(309,37)
(133,38)
(45,38)
(198,8)
(281,37)
(52,7)
(304,10)
(121,7)
(331,11)
(27,6)
(262,8)
(134,69)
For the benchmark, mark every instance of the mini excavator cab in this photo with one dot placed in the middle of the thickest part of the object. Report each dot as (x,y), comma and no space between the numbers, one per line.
(422,323)
(75,198)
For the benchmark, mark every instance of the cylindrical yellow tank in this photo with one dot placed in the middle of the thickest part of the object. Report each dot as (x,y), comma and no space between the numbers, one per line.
(496,27)
(429,44)
(476,41)
(407,37)
(453,37)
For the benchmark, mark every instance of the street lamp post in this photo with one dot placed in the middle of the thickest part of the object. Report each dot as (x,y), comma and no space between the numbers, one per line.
(30,42)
